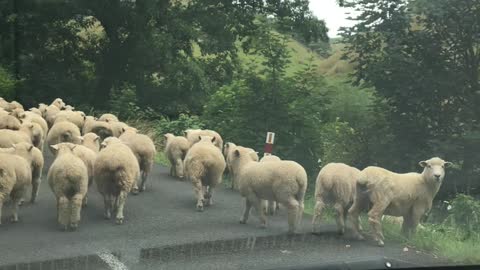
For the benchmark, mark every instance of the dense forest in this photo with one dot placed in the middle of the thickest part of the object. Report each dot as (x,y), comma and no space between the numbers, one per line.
(405,85)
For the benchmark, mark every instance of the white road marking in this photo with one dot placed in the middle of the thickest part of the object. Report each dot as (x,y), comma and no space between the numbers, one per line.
(112,261)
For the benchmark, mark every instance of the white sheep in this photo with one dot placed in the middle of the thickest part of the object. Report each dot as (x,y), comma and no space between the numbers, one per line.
(409,195)
(68,179)
(58,102)
(115,172)
(176,148)
(42,107)
(193,136)
(18,168)
(283,181)
(34,157)
(69,108)
(118,128)
(36,111)
(335,185)
(9,137)
(144,149)
(270,206)
(76,117)
(63,131)
(50,114)
(91,141)
(9,122)
(227,150)
(34,118)
(108,117)
(204,165)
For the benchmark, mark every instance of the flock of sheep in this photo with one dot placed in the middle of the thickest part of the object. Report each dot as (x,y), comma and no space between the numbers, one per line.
(115,156)
(86,149)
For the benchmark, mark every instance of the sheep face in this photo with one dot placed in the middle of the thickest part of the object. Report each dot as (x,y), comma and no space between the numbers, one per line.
(434,168)
(58,103)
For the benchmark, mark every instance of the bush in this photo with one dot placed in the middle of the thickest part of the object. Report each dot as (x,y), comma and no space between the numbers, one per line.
(464,213)
(177,126)
(7,85)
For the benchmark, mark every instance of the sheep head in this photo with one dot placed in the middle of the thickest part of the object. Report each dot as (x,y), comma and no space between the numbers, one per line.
(434,169)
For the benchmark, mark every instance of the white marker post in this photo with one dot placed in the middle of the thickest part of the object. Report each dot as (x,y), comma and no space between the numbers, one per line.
(269,144)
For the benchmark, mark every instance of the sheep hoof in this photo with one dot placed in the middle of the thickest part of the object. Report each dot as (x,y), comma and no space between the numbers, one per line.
(380,243)
(341,231)
(20,203)
(291,232)
(14,219)
(32,201)
(73,226)
(243,221)
(107,216)
(359,237)
(62,228)
(119,221)
(263,226)
(200,208)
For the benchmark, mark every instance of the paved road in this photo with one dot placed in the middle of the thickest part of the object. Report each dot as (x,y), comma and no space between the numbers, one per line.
(162,230)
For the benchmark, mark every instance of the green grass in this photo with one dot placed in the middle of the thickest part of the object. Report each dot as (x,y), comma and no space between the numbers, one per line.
(161,159)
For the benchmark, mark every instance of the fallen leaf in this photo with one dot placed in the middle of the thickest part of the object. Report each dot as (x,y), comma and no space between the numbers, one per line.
(347,246)
(405,249)
(285,251)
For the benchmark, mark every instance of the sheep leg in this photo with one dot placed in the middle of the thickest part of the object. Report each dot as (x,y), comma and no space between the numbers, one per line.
(120,203)
(374,218)
(17,196)
(85,201)
(272,206)
(108,202)
(143,185)
(339,218)
(293,207)
(76,207)
(208,196)
(317,213)
(411,222)
(265,206)
(354,216)
(2,198)
(246,212)
(63,211)
(198,188)
(257,203)
(35,187)
(179,169)
(172,170)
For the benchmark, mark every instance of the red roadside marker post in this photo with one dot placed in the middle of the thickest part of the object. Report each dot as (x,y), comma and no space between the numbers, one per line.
(269,144)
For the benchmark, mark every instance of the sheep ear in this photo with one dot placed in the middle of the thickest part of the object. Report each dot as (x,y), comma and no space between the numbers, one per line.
(97,138)
(80,138)
(123,129)
(73,147)
(213,139)
(200,138)
(423,163)
(185,133)
(14,146)
(30,148)
(237,153)
(447,164)
(54,147)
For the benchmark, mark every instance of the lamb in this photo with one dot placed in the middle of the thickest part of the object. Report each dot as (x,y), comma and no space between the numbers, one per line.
(118,128)
(115,172)
(144,149)
(68,179)
(34,157)
(36,133)
(63,131)
(58,102)
(409,195)
(108,117)
(176,148)
(9,122)
(336,185)
(15,177)
(233,175)
(193,136)
(76,117)
(283,181)
(9,137)
(91,141)
(50,114)
(204,166)
(270,206)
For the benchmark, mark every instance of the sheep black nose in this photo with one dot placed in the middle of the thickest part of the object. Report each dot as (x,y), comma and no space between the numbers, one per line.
(437,175)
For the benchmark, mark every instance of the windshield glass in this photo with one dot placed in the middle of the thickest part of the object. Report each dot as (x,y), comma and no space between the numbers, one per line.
(218,134)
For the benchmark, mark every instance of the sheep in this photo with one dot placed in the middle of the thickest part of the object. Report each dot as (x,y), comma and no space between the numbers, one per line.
(15,105)
(9,122)
(233,175)
(144,149)
(283,181)
(91,141)
(193,136)
(63,131)
(68,180)
(108,117)
(34,157)
(25,134)
(36,111)
(42,107)
(115,172)
(176,148)
(50,114)
(409,195)
(10,106)
(36,133)
(34,118)
(227,149)
(76,117)
(270,206)
(336,185)
(4,104)
(69,108)
(118,128)
(204,165)
(16,178)
(58,102)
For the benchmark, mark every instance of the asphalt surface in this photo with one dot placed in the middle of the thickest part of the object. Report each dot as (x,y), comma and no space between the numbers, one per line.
(162,230)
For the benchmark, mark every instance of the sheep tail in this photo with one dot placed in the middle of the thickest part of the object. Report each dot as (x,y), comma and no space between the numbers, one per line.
(302,185)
